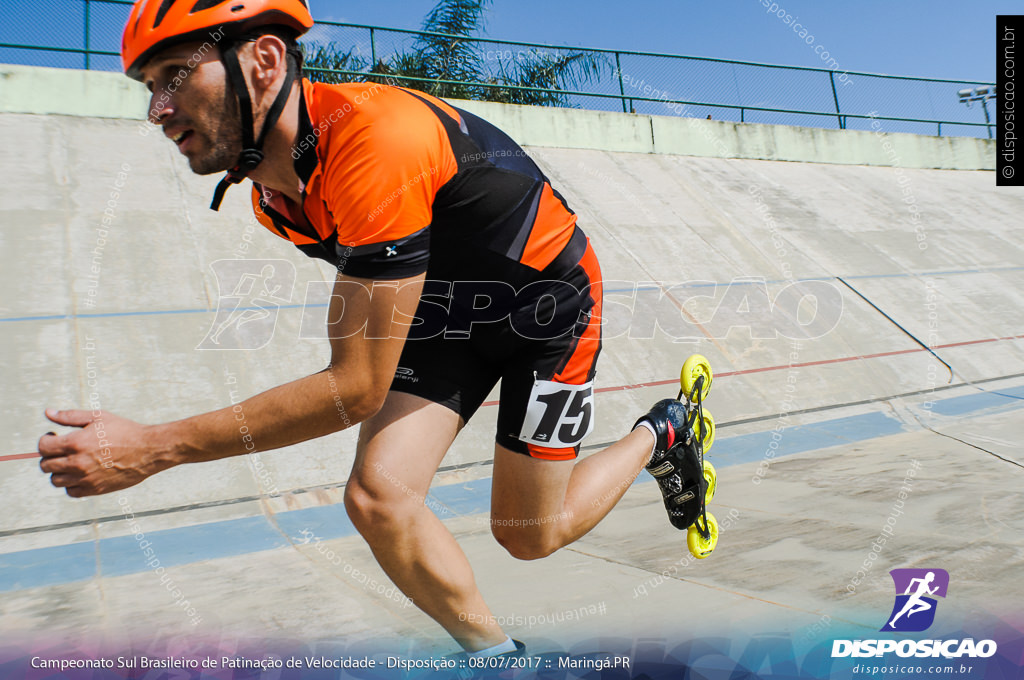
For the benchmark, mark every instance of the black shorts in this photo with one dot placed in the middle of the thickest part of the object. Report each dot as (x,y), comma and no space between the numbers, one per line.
(544,349)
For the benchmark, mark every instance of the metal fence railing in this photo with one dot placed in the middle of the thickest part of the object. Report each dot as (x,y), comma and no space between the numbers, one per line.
(87,35)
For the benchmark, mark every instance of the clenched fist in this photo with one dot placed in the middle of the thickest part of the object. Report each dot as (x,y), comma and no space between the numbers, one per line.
(107,454)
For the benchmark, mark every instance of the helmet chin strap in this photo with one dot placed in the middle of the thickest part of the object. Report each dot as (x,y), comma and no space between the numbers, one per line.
(252,147)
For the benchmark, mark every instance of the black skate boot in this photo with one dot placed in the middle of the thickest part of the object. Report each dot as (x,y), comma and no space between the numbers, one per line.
(686,480)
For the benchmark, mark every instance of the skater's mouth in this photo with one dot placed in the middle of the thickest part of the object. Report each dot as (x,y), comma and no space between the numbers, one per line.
(180,138)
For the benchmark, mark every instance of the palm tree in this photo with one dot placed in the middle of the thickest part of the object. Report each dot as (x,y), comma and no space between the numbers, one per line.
(444,52)
(446,61)
(328,64)
(546,75)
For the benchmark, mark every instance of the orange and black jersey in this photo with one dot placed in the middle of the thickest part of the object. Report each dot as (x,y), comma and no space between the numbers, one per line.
(397,183)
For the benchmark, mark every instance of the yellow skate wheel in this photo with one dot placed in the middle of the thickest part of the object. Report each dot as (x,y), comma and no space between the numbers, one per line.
(712,479)
(708,430)
(698,545)
(695,367)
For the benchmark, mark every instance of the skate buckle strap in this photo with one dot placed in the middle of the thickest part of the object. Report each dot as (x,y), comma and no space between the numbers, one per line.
(684,497)
(663,469)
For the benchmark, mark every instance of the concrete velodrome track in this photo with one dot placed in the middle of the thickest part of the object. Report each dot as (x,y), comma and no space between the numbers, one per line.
(775,252)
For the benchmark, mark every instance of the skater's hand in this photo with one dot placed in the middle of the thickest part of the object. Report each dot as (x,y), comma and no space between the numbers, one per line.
(108,453)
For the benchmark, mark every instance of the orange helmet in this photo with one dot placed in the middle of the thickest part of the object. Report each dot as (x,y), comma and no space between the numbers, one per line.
(155,25)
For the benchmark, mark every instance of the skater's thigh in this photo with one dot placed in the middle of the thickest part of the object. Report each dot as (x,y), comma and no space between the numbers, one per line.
(526,491)
(401,447)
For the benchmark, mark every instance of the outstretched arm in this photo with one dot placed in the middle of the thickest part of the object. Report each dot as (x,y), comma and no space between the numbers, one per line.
(368,324)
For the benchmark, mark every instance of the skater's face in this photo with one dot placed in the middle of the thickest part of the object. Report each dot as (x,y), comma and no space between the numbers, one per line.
(191,101)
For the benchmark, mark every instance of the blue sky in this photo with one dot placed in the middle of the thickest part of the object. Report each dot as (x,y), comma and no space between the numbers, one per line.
(938,39)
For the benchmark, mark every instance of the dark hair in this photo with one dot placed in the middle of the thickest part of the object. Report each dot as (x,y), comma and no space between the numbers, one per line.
(287,35)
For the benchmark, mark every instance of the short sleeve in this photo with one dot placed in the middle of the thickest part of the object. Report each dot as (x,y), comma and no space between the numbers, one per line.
(385,164)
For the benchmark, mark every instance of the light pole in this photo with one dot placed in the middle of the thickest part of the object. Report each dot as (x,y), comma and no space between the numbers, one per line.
(979,94)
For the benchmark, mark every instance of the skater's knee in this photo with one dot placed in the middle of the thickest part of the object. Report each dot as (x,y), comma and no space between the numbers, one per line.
(524,544)
(375,509)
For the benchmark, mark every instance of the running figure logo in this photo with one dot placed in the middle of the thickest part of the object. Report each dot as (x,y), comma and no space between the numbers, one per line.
(247,315)
(914,610)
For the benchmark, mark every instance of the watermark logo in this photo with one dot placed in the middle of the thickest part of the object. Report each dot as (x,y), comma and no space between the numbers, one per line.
(250,295)
(914,609)
(914,612)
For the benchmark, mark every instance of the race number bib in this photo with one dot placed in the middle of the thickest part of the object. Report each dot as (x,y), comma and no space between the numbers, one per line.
(558,416)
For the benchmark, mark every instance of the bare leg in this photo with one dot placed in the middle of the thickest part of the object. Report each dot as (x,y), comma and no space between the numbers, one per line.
(399,452)
(539,506)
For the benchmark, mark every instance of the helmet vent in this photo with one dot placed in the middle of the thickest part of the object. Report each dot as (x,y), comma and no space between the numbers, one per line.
(165,6)
(205,4)
(238,8)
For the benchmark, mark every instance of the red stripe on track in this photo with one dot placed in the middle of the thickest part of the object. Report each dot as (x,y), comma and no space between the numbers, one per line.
(824,362)
(726,374)
(19,456)
(978,342)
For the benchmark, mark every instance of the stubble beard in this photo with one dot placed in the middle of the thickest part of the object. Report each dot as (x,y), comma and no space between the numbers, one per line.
(225,141)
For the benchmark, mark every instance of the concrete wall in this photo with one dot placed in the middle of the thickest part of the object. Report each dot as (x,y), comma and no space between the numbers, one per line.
(30,89)
(70,92)
(108,273)
(578,129)
(696,252)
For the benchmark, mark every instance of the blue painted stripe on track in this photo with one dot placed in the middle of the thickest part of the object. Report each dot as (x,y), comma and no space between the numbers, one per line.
(158,312)
(949,272)
(470,498)
(610,291)
(752,281)
(173,547)
(955,406)
(124,555)
(324,521)
(47,566)
(748,448)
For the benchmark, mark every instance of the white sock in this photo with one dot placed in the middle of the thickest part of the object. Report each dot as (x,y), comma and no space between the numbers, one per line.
(507,646)
(650,428)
